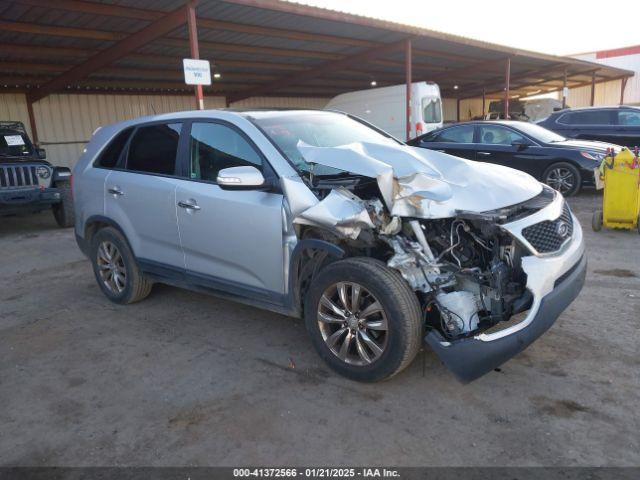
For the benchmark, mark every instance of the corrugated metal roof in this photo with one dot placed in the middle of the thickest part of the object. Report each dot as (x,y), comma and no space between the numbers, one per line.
(263,31)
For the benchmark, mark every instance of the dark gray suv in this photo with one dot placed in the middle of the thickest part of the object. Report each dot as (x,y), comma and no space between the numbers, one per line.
(618,125)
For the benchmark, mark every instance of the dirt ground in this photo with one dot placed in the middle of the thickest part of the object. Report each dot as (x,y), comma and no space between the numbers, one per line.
(187,379)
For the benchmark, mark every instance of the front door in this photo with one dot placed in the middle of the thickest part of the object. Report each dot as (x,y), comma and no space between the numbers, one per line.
(232,239)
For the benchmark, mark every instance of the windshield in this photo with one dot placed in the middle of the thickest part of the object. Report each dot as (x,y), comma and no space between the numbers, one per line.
(431,110)
(318,129)
(540,133)
(14,144)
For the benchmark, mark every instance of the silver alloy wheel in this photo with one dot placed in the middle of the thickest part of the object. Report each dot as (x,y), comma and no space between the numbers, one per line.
(353,323)
(561,179)
(111,267)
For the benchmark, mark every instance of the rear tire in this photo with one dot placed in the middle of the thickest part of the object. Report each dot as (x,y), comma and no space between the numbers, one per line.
(63,212)
(386,313)
(116,269)
(596,221)
(563,177)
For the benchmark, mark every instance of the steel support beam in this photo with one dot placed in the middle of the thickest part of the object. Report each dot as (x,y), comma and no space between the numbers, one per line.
(32,122)
(484,102)
(564,90)
(194,48)
(158,28)
(623,85)
(324,69)
(541,82)
(507,79)
(407,73)
(593,89)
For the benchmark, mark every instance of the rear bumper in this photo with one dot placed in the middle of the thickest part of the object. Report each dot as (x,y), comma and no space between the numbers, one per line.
(25,199)
(554,281)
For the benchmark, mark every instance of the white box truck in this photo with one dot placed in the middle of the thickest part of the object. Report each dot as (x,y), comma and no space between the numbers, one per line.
(385,108)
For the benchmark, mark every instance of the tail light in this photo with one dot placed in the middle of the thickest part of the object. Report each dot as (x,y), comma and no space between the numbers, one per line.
(419,129)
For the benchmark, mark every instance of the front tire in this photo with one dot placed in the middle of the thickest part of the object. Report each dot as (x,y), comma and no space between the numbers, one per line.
(363,318)
(115,268)
(63,212)
(563,177)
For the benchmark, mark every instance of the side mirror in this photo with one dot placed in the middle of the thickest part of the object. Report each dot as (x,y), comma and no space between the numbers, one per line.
(240,178)
(520,144)
(41,153)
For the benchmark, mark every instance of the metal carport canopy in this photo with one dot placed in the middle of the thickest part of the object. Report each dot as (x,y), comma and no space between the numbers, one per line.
(260,48)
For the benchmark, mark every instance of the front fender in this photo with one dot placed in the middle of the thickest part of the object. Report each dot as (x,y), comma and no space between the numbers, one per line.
(301,274)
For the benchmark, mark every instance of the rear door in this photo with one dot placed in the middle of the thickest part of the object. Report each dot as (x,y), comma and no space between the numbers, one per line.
(140,194)
(628,127)
(232,239)
(456,140)
(596,124)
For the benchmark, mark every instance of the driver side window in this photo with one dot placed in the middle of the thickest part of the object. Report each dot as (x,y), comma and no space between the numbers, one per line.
(497,135)
(214,147)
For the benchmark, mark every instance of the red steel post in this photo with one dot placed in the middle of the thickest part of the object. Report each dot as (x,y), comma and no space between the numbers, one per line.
(507,79)
(564,90)
(195,50)
(407,65)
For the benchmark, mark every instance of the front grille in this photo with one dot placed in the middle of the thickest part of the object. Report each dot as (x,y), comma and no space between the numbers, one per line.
(550,235)
(16,176)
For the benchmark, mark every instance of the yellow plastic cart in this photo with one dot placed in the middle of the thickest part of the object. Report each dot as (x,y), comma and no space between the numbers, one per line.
(621,199)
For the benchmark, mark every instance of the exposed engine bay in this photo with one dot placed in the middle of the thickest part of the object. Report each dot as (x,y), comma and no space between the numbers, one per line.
(465,269)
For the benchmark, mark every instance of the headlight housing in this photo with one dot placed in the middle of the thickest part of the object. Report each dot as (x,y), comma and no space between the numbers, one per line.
(43,172)
(592,155)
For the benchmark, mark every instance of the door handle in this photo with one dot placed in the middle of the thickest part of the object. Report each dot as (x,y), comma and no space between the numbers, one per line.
(115,191)
(189,205)
(486,154)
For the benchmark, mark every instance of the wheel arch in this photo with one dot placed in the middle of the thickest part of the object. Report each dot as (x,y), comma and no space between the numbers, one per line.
(301,273)
(95,223)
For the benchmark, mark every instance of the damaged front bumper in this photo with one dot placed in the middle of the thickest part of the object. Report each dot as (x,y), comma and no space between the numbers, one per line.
(554,281)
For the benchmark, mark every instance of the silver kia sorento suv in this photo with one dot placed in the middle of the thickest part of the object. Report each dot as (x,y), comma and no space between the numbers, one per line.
(379,246)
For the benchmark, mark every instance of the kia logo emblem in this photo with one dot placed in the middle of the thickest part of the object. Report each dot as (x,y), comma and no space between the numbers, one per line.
(562,229)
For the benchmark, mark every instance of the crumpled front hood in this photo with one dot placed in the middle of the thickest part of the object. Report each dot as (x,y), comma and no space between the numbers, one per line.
(416,182)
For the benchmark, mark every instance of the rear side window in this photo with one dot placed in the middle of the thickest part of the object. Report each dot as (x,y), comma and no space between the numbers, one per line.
(461,134)
(153,149)
(629,117)
(431,110)
(109,158)
(587,117)
(214,146)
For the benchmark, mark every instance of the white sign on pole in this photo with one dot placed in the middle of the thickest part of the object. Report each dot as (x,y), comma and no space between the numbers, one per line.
(196,72)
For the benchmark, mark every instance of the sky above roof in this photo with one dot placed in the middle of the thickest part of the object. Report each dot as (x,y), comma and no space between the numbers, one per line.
(548,26)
